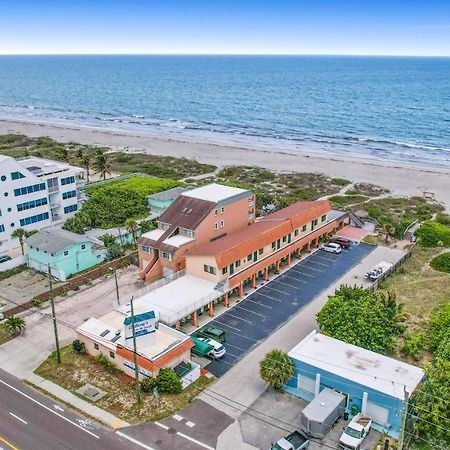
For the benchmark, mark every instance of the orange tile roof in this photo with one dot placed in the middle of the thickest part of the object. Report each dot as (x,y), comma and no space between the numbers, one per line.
(262,232)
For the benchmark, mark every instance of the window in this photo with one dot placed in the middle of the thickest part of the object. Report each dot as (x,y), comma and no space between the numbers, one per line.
(163,226)
(2,228)
(67,180)
(33,219)
(296,232)
(32,204)
(112,355)
(146,249)
(209,269)
(323,218)
(222,223)
(238,263)
(249,257)
(224,270)
(29,189)
(304,228)
(95,346)
(66,253)
(16,176)
(316,221)
(188,233)
(222,210)
(83,246)
(69,194)
(261,251)
(274,244)
(284,238)
(216,226)
(167,256)
(70,208)
(216,212)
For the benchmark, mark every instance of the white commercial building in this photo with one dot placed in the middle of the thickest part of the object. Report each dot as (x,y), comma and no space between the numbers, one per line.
(36,193)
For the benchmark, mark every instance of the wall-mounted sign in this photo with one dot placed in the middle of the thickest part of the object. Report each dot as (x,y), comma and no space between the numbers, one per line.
(144,324)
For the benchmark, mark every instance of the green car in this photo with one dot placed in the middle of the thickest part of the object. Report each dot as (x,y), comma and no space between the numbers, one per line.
(213,332)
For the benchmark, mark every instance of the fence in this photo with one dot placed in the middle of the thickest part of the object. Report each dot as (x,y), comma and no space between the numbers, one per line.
(73,284)
(12,263)
(391,270)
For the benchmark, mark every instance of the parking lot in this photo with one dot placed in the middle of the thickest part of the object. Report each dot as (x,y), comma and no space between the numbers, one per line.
(262,311)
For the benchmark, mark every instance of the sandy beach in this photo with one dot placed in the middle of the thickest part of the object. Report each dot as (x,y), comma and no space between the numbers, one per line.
(400,179)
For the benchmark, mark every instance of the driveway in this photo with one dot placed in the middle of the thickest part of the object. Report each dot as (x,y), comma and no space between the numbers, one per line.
(22,355)
(266,309)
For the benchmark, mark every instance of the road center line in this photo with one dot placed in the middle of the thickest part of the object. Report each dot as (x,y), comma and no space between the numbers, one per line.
(18,418)
(134,441)
(48,409)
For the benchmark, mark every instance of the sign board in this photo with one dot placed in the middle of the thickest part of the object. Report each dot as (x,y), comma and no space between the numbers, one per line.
(142,371)
(144,324)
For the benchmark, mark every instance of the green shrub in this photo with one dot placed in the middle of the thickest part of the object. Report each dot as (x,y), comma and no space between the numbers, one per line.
(433,234)
(340,181)
(79,347)
(114,251)
(441,262)
(444,219)
(37,302)
(439,326)
(106,363)
(168,382)
(147,385)
(414,344)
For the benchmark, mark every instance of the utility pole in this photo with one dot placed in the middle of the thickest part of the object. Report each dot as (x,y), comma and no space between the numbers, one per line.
(117,287)
(404,415)
(136,367)
(55,328)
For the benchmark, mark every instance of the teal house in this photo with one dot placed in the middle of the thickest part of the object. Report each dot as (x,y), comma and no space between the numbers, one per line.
(160,201)
(67,253)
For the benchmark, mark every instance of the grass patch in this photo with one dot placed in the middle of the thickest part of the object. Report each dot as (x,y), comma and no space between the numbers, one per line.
(367,189)
(441,263)
(77,370)
(370,239)
(4,335)
(340,181)
(159,166)
(140,185)
(11,272)
(346,200)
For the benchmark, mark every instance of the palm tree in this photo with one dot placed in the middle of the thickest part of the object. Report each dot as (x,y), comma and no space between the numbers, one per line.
(20,234)
(86,163)
(276,368)
(132,227)
(102,164)
(14,325)
(63,153)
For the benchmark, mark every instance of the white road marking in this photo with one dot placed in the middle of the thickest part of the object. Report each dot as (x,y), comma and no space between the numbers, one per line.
(317,262)
(18,418)
(226,325)
(258,303)
(250,311)
(326,257)
(271,298)
(48,409)
(290,285)
(281,292)
(161,425)
(240,318)
(305,274)
(134,441)
(58,408)
(177,417)
(315,270)
(201,444)
(290,277)
(190,424)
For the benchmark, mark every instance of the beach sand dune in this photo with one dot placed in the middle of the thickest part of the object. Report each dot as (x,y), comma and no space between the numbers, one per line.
(400,179)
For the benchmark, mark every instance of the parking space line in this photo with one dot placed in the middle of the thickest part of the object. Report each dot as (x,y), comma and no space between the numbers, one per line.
(317,262)
(281,292)
(326,257)
(226,325)
(296,279)
(305,274)
(268,296)
(240,318)
(315,270)
(249,310)
(289,285)
(134,441)
(259,304)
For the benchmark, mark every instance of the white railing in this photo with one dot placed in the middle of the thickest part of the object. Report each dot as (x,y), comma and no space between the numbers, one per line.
(191,376)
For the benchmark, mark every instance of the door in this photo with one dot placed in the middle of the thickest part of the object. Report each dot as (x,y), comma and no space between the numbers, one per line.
(231,268)
(255,256)
(379,414)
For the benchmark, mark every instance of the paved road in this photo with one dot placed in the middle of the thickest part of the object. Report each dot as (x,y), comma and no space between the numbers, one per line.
(31,421)
(261,312)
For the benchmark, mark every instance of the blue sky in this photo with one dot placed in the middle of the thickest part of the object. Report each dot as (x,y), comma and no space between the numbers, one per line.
(367,27)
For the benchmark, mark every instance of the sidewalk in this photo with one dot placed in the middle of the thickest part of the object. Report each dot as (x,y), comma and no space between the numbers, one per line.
(72,400)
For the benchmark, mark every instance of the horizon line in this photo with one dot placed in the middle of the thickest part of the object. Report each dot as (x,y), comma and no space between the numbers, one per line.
(371,55)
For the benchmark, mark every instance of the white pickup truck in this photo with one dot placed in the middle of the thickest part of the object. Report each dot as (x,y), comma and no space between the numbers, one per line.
(355,432)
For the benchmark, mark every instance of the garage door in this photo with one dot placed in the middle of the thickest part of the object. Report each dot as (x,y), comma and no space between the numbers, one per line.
(306,384)
(379,414)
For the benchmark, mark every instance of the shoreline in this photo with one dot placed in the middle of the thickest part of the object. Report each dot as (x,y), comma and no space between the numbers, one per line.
(401,179)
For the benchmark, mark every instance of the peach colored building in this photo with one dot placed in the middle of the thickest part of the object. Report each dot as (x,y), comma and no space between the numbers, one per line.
(197,216)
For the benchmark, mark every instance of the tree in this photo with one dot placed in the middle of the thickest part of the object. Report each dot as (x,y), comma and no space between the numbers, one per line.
(20,234)
(276,368)
(14,325)
(108,239)
(102,164)
(132,227)
(363,318)
(84,159)
(147,385)
(146,226)
(168,382)
(114,251)
(63,153)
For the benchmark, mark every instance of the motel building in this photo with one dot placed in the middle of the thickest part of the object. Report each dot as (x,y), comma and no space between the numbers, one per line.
(227,262)
(158,346)
(373,384)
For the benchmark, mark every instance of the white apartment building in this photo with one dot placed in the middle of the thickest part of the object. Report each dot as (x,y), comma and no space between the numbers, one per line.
(36,193)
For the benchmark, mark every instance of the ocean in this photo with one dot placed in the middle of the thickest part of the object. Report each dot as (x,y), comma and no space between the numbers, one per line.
(383,108)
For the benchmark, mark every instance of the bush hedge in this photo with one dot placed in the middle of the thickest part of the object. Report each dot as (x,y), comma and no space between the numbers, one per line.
(434,234)
(441,262)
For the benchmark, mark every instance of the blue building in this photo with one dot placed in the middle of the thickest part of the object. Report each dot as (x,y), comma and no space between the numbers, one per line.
(160,201)
(373,384)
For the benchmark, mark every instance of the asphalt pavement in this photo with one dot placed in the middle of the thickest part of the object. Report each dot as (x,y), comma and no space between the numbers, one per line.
(263,311)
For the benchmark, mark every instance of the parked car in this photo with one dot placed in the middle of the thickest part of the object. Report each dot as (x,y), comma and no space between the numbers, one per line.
(378,270)
(215,333)
(5,258)
(355,432)
(294,441)
(343,242)
(218,349)
(331,247)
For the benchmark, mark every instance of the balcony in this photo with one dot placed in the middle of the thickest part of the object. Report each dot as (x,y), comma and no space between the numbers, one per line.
(53,189)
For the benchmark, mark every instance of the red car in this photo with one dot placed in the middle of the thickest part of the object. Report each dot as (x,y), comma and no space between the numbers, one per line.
(343,242)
